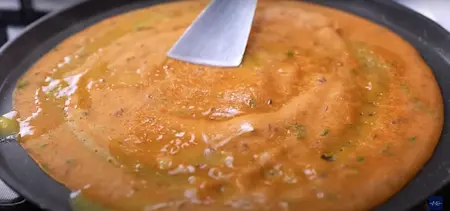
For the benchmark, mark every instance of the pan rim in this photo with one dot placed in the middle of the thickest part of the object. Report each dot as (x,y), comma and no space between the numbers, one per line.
(15,185)
(34,25)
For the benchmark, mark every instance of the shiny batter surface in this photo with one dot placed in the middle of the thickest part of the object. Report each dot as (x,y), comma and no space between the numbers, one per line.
(327,112)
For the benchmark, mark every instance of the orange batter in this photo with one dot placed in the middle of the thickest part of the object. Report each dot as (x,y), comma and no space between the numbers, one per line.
(327,112)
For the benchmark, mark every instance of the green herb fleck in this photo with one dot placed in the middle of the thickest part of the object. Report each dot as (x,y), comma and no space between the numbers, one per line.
(22,84)
(84,113)
(360,159)
(8,126)
(300,131)
(142,28)
(325,132)
(387,151)
(405,88)
(43,146)
(393,64)
(252,103)
(367,57)
(45,168)
(81,203)
(412,139)
(420,106)
(330,157)
(70,161)
(290,53)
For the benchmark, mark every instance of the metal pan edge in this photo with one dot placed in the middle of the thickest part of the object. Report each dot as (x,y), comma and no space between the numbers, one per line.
(51,195)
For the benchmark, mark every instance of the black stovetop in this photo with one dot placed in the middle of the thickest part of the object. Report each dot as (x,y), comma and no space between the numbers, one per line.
(22,16)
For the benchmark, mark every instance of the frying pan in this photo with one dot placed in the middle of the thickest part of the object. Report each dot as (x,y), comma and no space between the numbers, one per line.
(22,174)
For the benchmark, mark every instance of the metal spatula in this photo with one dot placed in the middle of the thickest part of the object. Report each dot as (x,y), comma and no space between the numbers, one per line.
(219,35)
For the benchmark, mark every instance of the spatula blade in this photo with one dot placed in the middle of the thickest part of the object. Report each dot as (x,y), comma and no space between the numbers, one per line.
(219,36)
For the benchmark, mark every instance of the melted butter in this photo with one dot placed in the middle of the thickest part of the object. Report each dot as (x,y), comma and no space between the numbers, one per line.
(81,203)
(8,124)
(315,107)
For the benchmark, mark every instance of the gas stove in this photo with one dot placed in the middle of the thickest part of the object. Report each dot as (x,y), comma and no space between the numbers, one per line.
(17,14)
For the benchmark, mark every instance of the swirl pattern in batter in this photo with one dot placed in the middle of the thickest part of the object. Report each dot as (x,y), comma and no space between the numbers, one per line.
(327,112)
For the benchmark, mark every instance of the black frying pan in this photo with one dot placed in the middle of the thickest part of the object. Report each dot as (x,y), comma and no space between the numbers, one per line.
(19,171)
